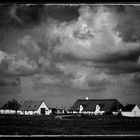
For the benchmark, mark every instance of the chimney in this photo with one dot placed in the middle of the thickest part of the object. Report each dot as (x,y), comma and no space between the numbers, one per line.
(86,98)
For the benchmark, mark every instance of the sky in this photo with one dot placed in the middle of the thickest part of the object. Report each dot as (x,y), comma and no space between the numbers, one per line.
(61,53)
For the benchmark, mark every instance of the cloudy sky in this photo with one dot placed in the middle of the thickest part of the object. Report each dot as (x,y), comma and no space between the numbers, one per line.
(60,53)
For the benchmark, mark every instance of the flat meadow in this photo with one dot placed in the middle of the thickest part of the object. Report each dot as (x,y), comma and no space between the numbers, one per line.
(72,125)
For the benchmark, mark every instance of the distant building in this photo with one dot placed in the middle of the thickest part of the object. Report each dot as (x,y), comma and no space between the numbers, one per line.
(131,110)
(61,111)
(96,106)
(57,110)
(7,111)
(34,108)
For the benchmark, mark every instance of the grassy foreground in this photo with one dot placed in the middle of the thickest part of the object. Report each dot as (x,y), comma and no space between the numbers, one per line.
(85,125)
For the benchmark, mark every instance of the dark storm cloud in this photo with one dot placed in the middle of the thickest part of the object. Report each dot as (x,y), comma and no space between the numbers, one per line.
(119,67)
(62,13)
(108,46)
(9,81)
(131,56)
(81,45)
(34,14)
(24,15)
(80,81)
(69,51)
(75,41)
(129,16)
(25,54)
(27,66)
(136,78)
(19,16)
(9,90)
(93,35)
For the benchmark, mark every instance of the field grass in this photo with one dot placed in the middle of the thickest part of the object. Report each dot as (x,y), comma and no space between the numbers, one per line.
(74,125)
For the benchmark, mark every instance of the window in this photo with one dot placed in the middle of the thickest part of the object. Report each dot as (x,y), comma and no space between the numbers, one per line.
(135,112)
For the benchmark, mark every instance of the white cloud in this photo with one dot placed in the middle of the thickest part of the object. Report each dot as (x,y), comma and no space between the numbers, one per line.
(91,36)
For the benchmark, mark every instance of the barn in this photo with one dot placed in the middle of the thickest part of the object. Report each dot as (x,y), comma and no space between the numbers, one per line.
(95,106)
(30,107)
(131,110)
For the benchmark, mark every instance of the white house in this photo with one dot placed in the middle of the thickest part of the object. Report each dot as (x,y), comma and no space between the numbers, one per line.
(34,108)
(95,106)
(131,110)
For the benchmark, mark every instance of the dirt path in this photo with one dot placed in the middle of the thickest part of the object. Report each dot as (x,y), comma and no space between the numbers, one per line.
(62,117)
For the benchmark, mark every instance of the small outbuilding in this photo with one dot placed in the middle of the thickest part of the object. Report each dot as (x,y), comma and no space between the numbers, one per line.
(30,107)
(58,111)
(131,110)
(61,111)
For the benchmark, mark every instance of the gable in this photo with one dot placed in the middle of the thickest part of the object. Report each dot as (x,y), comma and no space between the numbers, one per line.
(32,105)
(136,108)
(43,105)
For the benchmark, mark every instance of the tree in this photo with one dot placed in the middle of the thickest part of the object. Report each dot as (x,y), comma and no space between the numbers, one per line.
(12,104)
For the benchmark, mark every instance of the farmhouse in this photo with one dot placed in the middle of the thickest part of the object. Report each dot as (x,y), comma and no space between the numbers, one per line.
(10,107)
(131,110)
(96,106)
(34,108)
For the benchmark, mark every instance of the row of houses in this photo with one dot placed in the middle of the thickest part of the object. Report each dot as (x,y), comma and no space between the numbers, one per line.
(82,106)
(104,106)
(30,107)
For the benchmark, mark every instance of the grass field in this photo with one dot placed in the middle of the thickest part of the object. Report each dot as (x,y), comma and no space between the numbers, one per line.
(85,125)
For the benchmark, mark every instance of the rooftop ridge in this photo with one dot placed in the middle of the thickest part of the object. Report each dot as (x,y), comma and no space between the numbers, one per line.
(131,104)
(34,101)
(31,104)
(95,99)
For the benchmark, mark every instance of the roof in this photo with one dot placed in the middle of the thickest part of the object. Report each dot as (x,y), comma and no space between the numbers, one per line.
(128,107)
(30,105)
(90,104)
(60,108)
